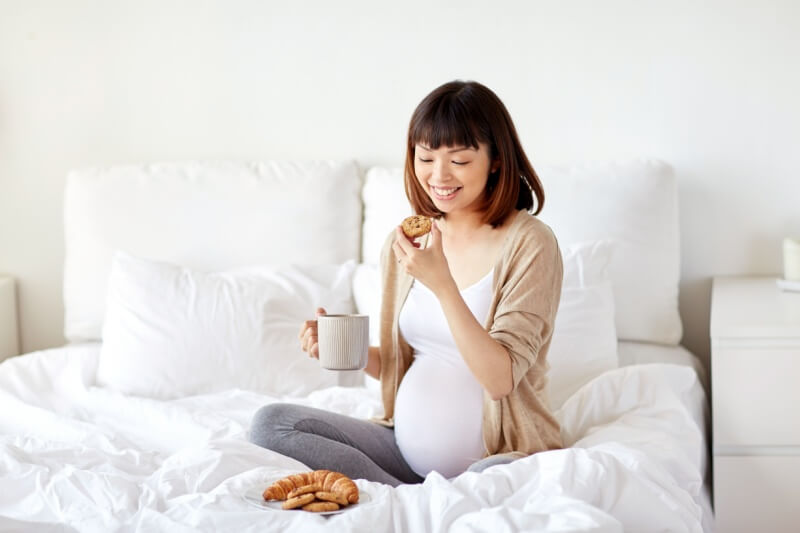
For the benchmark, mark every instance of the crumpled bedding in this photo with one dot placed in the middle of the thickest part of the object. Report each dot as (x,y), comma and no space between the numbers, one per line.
(76,457)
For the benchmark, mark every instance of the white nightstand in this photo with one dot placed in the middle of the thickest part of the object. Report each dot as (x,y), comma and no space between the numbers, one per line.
(9,341)
(755,384)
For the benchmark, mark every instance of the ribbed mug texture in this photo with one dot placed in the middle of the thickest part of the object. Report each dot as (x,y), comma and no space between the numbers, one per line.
(343,341)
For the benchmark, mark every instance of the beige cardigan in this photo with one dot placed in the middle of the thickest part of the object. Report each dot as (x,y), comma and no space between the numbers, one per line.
(527,288)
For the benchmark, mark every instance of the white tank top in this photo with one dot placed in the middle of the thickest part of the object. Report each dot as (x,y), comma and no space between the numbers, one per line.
(438,411)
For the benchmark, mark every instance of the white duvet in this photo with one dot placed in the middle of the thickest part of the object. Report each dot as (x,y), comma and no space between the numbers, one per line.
(75,457)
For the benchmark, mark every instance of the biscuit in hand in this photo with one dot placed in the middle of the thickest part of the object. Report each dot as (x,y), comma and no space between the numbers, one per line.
(416,226)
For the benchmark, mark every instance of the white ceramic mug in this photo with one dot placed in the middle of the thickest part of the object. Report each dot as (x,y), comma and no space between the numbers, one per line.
(343,341)
(791,259)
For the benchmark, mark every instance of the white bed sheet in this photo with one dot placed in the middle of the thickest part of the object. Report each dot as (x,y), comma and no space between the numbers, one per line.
(75,457)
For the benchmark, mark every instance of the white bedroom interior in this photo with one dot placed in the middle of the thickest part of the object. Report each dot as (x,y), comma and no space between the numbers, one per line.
(709,88)
(706,87)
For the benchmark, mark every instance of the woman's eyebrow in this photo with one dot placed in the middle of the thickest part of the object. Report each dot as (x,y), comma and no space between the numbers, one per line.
(449,151)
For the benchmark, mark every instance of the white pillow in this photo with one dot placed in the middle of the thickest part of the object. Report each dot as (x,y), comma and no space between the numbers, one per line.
(634,203)
(367,297)
(210,216)
(385,206)
(171,332)
(584,341)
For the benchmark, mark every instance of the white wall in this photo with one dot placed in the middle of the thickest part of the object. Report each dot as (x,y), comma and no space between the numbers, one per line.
(710,87)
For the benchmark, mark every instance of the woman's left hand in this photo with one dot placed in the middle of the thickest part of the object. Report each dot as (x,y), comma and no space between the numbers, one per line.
(428,265)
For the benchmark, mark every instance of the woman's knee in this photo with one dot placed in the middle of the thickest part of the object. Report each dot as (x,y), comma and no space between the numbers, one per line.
(269,423)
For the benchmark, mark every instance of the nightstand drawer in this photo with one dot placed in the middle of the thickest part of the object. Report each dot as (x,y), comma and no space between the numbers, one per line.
(756,493)
(755,396)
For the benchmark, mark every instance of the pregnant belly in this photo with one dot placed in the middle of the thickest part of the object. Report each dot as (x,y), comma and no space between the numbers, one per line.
(438,417)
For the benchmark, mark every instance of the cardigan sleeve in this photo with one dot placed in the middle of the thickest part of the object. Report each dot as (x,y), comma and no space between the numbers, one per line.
(528,298)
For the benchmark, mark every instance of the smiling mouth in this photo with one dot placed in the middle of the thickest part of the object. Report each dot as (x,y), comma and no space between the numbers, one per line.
(444,193)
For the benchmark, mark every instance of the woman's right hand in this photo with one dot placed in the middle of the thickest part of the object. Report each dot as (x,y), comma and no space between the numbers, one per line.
(308,335)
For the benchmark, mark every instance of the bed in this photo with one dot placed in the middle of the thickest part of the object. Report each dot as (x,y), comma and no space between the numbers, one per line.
(184,285)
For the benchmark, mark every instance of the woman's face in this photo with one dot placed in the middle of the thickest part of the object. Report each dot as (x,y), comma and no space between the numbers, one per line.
(453,176)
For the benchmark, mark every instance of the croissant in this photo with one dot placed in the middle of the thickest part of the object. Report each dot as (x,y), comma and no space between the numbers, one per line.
(330,481)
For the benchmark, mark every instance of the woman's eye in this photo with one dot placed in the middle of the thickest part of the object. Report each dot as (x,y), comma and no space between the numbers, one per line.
(460,162)
(424,160)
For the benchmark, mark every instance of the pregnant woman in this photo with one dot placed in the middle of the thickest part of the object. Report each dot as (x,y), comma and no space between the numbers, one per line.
(467,313)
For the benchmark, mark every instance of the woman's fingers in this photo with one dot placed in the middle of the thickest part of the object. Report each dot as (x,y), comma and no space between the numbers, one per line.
(309,336)
(402,247)
(305,326)
(312,347)
(402,241)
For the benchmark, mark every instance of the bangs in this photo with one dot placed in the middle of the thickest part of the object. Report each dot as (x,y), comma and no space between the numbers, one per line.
(446,123)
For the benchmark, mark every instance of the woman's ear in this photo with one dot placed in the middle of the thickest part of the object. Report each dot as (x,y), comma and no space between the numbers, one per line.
(495,166)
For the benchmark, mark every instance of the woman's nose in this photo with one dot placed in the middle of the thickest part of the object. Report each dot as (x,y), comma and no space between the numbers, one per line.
(439,172)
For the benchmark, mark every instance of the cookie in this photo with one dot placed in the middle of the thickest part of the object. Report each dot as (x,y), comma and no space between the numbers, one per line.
(416,226)
(332,497)
(298,501)
(321,507)
(305,489)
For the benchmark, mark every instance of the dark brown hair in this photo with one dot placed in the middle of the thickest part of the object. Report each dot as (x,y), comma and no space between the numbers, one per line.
(464,113)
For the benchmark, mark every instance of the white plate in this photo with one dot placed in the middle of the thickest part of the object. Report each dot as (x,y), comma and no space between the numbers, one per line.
(255,497)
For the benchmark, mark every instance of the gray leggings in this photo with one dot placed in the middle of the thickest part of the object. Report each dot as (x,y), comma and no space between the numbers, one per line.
(320,439)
